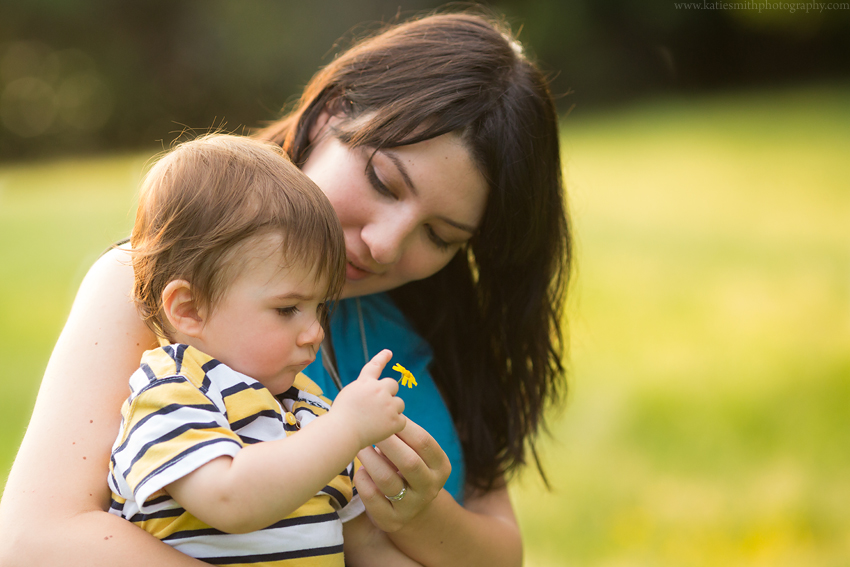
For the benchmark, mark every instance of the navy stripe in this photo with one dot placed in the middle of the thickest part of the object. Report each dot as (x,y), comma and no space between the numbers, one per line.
(290,394)
(173,461)
(158,500)
(249,440)
(160,412)
(336,495)
(176,432)
(148,372)
(313,403)
(304,409)
(210,364)
(240,387)
(206,383)
(304,520)
(280,556)
(179,350)
(193,533)
(169,513)
(254,417)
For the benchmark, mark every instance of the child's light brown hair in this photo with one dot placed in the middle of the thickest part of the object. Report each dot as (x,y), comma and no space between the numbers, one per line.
(207,196)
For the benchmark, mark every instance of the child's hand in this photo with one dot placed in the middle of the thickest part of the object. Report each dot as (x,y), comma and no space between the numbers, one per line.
(370,405)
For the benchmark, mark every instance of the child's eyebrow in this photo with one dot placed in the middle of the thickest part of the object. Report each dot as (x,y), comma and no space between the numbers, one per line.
(295,295)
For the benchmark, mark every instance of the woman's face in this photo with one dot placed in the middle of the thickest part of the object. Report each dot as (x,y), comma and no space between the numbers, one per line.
(405,213)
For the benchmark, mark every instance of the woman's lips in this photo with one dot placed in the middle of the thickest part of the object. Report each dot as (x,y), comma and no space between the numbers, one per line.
(355,272)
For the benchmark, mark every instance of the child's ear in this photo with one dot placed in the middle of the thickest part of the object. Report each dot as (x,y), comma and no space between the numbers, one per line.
(180,308)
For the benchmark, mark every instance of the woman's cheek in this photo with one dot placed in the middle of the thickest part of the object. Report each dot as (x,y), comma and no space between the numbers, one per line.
(426,263)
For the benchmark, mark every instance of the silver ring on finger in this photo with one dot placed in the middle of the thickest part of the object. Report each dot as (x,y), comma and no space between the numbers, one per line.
(398,496)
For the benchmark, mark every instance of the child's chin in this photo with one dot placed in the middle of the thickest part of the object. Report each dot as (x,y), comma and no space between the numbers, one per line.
(281,383)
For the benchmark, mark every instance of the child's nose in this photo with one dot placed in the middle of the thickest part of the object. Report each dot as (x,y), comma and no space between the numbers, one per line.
(313,335)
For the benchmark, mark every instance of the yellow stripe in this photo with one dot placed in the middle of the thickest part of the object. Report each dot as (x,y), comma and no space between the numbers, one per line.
(193,361)
(343,484)
(316,506)
(335,560)
(161,453)
(164,527)
(159,361)
(248,402)
(150,401)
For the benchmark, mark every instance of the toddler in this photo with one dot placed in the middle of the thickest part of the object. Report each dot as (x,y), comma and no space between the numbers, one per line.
(226,451)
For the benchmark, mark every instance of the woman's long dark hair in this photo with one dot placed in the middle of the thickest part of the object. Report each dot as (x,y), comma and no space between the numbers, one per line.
(493,315)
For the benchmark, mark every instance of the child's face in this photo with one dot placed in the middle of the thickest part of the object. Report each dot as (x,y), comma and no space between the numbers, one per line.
(267,323)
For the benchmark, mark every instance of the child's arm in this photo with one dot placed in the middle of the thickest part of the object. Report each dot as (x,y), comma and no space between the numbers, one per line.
(266,482)
(367,546)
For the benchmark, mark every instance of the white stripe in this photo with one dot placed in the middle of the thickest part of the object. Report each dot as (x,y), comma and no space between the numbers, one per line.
(276,540)
(264,428)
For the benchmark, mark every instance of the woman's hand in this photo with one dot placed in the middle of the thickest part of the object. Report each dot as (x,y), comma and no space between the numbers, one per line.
(411,461)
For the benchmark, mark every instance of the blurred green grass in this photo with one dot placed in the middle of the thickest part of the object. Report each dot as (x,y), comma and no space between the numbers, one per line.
(708,419)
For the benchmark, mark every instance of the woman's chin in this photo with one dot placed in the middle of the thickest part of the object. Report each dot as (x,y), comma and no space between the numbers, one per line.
(364,286)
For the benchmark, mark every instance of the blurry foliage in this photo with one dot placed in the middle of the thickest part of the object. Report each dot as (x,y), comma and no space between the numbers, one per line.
(83,75)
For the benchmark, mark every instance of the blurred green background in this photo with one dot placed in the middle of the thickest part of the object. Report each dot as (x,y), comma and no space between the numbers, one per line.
(706,157)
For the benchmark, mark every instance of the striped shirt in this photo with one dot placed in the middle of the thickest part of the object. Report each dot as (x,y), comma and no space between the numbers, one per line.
(185,409)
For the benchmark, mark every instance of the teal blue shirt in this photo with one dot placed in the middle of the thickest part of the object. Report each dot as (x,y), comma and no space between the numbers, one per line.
(385,326)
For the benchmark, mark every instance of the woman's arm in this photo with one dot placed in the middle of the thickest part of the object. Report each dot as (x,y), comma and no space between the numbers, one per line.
(427,523)
(53,508)
(367,546)
(484,532)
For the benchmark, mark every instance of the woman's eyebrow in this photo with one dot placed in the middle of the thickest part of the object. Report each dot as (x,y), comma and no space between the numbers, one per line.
(460,225)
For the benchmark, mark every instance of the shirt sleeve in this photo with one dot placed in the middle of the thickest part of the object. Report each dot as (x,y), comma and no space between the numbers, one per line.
(355,505)
(170,430)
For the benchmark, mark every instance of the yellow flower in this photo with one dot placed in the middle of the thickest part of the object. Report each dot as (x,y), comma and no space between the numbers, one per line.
(407,378)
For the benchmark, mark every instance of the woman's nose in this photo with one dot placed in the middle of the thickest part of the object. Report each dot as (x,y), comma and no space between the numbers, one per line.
(387,237)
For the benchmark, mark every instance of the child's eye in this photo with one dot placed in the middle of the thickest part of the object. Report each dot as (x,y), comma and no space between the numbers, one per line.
(287,311)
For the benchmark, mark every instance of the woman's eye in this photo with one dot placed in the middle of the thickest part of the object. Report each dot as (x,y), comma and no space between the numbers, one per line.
(376,182)
(436,240)
(287,311)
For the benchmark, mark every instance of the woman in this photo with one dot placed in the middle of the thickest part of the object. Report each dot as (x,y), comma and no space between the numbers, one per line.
(437,143)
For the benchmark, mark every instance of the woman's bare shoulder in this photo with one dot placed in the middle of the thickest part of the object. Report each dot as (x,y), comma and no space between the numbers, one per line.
(77,410)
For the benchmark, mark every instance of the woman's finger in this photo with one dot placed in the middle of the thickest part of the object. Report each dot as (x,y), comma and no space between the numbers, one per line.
(381,511)
(382,473)
(413,449)
(404,459)
(375,501)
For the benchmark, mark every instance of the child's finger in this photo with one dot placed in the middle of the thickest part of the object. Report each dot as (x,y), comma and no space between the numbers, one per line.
(391,385)
(375,366)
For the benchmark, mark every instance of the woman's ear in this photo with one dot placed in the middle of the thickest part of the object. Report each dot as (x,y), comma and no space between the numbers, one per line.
(319,125)
(180,308)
